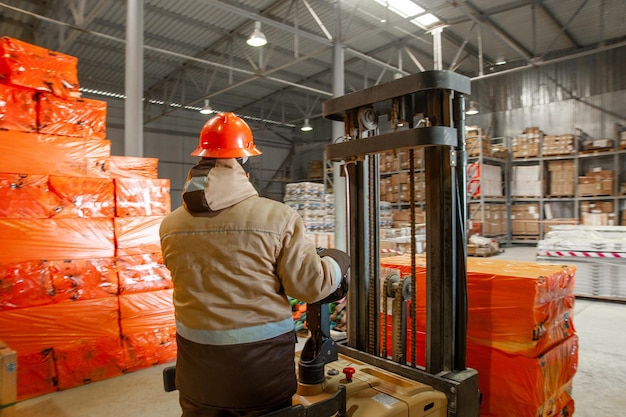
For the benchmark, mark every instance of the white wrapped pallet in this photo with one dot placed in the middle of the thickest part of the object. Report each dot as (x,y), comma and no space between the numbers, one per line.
(599,254)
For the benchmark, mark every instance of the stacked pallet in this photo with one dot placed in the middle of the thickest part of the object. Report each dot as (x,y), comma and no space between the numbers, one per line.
(596,182)
(521,338)
(484,180)
(84,295)
(527,144)
(598,252)
(558,145)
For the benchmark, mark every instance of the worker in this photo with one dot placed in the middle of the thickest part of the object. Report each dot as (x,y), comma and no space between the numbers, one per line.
(235,258)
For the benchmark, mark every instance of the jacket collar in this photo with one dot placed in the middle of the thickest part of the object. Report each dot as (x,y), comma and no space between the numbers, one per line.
(215,184)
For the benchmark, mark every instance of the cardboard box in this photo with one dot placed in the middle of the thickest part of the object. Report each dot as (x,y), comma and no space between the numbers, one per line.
(588,189)
(8,381)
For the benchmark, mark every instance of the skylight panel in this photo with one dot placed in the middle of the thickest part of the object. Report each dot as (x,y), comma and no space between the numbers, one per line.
(404,8)
(425,19)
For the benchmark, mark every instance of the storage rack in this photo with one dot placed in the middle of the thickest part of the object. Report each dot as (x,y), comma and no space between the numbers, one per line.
(482,219)
(608,158)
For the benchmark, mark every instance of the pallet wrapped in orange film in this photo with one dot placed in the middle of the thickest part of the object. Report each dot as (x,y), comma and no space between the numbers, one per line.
(148,328)
(18,110)
(70,327)
(514,385)
(78,117)
(26,65)
(518,307)
(146,303)
(83,279)
(140,273)
(36,373)
(81,362)
(142,197)
(55,239)
(137,235)
(26,196)
(133,167)
(83,196)
(25,284)
(32,153)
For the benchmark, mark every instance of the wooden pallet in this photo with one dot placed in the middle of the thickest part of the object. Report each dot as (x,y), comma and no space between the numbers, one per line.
(482,251)
(597,195)
(525,237)
(549,155)
(560,196)
(596,150)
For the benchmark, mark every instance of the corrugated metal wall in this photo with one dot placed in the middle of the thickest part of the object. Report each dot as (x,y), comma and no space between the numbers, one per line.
(587,93)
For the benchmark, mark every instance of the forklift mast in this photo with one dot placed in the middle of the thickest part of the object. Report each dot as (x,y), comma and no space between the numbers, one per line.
(424,110)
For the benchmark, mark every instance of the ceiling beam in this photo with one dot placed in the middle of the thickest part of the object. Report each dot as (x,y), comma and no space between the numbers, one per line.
(552,17)
(485,21)
(564,28)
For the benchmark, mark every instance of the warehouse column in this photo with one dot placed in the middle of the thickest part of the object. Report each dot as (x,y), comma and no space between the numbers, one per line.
(133,107)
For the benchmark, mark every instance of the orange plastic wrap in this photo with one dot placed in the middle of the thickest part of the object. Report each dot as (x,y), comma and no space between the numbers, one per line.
(83,196)
(148,328)
(31,66)
(49,326)
(420,348)
(24,284)
(146,304)
(31,153)
(79,117)
(514,385)
(137,235)
(142,197)
(134,167)
(518,307)
(36,373)
(83,279)
(32,239)
(149,340)
(26,196)
(18,109)
(88,361)
(140,273)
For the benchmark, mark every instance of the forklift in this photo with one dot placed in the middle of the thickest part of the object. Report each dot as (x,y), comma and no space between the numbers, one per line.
(357,377)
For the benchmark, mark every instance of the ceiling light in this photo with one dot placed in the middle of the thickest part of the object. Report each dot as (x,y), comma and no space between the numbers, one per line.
(472,110)
(207,108)
(257,38)
(306,127)
(500,61)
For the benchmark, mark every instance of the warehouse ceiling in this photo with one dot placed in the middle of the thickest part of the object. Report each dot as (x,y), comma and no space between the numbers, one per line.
(196,49)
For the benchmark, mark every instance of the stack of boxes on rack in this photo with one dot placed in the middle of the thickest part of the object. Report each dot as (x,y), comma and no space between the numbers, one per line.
(529,181)
(596,182)
(84,295)
(485,181)
(520,324)
(395,195)
(527,144)
(316,208)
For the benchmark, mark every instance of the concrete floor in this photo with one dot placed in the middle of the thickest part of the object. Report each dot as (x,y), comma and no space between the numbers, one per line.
(599,385)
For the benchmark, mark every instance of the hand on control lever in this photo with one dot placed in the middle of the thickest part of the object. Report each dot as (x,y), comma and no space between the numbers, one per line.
(343,260)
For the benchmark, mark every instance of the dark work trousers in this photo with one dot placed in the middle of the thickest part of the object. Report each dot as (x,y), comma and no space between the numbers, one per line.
(241,380)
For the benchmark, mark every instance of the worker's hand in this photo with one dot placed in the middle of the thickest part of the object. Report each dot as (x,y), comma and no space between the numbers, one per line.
(342,259)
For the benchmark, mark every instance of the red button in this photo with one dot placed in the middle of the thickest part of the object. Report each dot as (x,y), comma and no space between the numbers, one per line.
(349,372)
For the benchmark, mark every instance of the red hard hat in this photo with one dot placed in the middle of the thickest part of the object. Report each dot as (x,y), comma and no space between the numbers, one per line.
(226,136)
